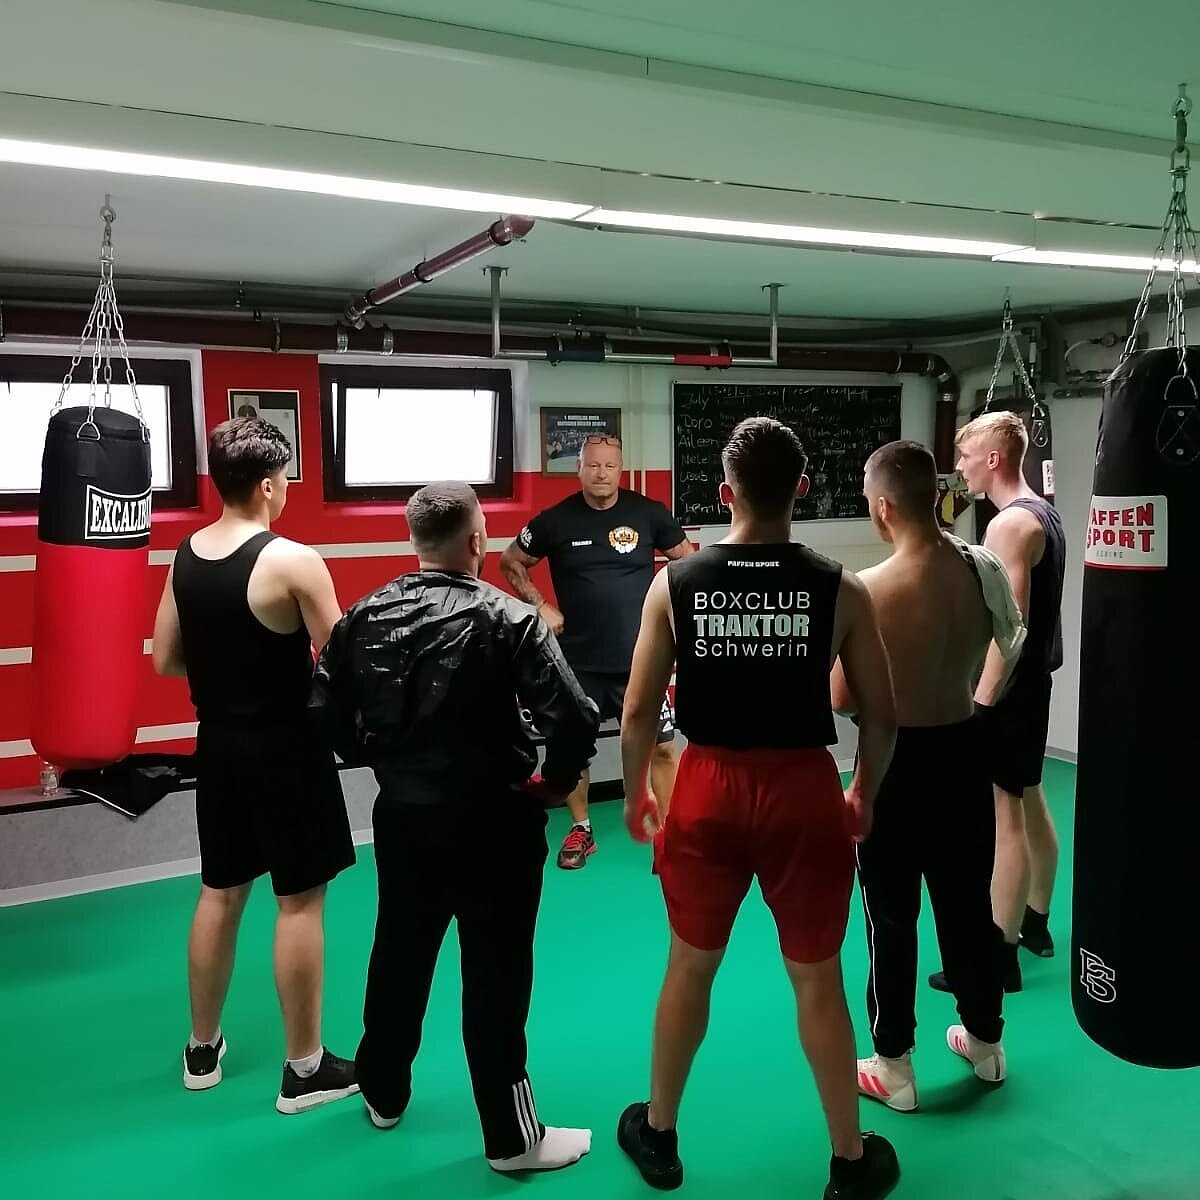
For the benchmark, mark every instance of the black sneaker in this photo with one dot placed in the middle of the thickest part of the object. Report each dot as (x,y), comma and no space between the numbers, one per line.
(1013,981)
(1035,936)
(655,1152)
(1039,943)
(867,1178)
(202,1066)
(332,1080)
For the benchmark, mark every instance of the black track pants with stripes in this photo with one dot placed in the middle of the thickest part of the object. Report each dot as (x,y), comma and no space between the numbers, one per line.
(935,820)
(482,866)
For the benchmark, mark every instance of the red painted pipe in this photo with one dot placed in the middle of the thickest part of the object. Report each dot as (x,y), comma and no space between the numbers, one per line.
(499,233)
(704,360)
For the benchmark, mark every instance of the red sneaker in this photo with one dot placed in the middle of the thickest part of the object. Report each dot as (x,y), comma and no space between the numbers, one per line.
(576,847)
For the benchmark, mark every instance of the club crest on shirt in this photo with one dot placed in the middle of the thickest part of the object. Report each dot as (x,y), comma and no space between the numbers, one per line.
(623,539)
(525,537)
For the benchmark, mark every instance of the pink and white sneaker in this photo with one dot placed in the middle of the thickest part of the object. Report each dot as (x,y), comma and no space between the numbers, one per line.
(890,1080)
(986,1057)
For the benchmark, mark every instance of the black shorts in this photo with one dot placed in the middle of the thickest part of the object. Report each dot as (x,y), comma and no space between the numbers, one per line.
(1015,730)
(608,691)
(268,799)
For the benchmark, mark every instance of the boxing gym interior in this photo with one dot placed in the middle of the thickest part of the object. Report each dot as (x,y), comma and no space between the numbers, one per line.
(461,242)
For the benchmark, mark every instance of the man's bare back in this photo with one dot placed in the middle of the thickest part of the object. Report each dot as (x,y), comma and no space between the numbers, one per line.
(936,628)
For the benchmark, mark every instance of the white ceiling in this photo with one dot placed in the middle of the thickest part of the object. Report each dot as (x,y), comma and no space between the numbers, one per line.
(980,109)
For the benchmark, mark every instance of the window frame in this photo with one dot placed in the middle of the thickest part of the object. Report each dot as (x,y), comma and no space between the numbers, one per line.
(175,374)
(337,377)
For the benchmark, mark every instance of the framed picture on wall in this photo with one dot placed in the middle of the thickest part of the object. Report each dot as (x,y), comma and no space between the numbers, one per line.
(564,431)
(281,409)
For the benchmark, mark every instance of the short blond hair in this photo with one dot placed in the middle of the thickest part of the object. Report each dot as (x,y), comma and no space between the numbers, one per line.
(1004,432)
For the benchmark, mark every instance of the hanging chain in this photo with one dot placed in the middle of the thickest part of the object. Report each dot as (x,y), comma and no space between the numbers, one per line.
(1008,339)
(1176,229)
(103,320)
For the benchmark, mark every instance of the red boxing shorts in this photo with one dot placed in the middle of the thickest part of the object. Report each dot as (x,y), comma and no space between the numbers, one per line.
(775,815)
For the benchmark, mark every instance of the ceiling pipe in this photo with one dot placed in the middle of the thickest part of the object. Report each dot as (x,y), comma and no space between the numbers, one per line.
(500,233)
(590,349)
(599,350)
(245,333)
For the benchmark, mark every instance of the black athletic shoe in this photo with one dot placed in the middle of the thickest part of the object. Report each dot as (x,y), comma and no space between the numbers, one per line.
(655,1152)
(202,1066)
(1012,979)
(867,1178)
(1035,935)
(332,1080)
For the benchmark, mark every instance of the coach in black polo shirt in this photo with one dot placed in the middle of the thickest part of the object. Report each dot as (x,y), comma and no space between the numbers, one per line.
(600,543)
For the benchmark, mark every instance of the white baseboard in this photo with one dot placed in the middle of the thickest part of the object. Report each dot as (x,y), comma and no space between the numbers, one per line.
(1067,756)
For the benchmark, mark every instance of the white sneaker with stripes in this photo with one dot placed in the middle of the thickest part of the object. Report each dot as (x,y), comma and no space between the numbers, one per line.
(890,1080)
(986,1057)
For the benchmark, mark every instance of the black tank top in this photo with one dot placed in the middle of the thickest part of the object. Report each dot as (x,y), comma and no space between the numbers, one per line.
(753,632)
(238,670)
(1043,650)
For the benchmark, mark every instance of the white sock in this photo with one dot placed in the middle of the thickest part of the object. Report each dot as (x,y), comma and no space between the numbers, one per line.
(214,1041)
(586,823)
(559,1148)
(304,1067)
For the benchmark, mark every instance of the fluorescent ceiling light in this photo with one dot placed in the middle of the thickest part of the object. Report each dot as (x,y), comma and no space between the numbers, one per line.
(120,162)
(757,231)
(1078,258)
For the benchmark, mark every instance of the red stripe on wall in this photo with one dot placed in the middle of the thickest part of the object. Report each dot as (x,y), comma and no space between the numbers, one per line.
(16,694)
(18,772)
(16,609)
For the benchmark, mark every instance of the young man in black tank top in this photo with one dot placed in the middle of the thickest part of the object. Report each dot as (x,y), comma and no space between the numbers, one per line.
(240,615)
(934,816)
(1027,536)
(753,626)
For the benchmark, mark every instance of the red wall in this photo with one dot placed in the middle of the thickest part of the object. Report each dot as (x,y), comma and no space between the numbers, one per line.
(307,518)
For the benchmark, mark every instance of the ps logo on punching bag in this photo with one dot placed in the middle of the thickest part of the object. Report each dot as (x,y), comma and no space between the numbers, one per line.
(1097,977)
(109,516)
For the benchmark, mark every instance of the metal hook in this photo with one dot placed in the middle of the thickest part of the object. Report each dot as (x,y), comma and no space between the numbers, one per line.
(1183,103)
(108,216)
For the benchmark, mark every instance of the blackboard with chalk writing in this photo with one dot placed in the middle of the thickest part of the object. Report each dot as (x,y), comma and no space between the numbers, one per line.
(839,424)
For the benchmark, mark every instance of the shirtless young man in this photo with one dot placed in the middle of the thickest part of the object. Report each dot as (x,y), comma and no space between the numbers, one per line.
(934,816)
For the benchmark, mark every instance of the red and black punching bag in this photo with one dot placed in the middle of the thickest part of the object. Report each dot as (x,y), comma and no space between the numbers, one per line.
(90,586)
(1135,969)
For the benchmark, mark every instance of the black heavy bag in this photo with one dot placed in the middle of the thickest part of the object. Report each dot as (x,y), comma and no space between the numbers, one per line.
(1135,971)
(1039,457)
(90,586)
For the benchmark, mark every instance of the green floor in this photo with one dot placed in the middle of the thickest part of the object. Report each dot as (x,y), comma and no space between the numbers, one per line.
(93,1011)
